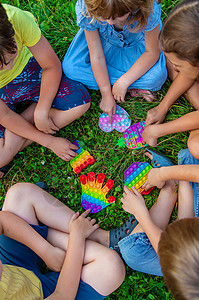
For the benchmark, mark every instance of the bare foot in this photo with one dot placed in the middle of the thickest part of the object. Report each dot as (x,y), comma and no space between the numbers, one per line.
(147,95)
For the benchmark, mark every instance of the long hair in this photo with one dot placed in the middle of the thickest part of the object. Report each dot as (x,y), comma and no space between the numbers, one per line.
(7,41)
(180,32)
(178,252)
(139,10)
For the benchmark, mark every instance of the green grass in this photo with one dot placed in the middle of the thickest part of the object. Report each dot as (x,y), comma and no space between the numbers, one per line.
(58,25)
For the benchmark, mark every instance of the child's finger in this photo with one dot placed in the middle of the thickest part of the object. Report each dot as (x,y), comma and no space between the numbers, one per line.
(85,213)
(110,115)
(135,191)
(75,216)
(93,221)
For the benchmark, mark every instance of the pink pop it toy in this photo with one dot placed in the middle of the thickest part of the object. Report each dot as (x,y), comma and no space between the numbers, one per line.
(133,136)
(93,195)
(82,160)
(136,175)
(120,121)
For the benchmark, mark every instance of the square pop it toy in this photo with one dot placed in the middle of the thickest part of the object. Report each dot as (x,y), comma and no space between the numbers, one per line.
(136,175)
(133,136)
(82,160)
(120,121)
(93,195)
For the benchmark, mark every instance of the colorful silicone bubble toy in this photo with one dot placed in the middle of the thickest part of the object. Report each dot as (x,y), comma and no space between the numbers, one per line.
(93,195)
(136,175)
(82,160)
(120,121)
(133,136)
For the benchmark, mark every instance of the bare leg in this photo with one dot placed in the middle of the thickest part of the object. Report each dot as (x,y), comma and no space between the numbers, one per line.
(62,118)
(12,143)
(192,94)
(193,143)
(103,269)
(185,200)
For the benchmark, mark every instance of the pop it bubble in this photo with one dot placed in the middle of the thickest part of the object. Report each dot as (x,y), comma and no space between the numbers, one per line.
(133,136)
(120,121)
(93,195)
(136,175)
(82,160)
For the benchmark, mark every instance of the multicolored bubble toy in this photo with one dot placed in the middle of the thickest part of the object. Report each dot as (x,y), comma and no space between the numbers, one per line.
(136,175)
(132,137)
(93,195)
(120,121)
(82,160)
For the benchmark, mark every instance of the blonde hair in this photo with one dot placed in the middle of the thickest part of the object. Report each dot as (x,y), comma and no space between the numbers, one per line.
(178,252)
(139,10)
(180,32)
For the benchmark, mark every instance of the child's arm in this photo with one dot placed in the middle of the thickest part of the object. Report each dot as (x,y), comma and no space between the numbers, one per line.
(50,81)
(16,228)
(141,66)
(98,64)
(134,203)
(187,122)
(158,176)
(179,86)
(18,125)
(68,282)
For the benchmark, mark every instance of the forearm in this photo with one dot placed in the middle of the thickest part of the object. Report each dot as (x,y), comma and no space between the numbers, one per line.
(16,228)
(140,67)
(179,86)
(152,231)
(181,173)
(51,78)
(187,122)
(69,278)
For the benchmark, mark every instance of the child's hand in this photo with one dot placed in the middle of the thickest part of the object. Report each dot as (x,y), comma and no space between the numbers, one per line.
(119,90)
(150,136)
(44,123)
(62,148)
(81,225)
(133,202)
(155,116)
(108,106)
(154,179)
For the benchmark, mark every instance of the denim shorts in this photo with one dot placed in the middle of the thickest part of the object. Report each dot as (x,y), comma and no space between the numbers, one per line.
(17,254)
(26,86)
(139,255)
(185,158)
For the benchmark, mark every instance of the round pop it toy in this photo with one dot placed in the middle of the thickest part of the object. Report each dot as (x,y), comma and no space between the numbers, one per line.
(136,175)
(93,195)
(120,121)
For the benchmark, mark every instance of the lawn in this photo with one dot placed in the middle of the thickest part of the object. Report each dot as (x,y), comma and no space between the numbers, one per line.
(58,24)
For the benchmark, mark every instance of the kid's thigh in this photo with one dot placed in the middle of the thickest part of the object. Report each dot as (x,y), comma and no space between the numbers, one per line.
(139,254)
(186,158)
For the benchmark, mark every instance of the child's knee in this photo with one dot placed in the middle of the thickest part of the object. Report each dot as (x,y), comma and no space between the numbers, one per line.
(193,145)
(115,268)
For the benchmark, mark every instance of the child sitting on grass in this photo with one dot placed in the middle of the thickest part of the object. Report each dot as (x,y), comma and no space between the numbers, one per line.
(179,39)
(54,229)
(30,70)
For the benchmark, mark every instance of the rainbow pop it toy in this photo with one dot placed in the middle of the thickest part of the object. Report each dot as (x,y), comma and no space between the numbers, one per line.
(136,175)
(93,195)
(133,136)
(120,121)
(82,160)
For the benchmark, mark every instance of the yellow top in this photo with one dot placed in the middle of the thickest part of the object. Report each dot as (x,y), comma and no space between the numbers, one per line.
(27,33)
(19,283)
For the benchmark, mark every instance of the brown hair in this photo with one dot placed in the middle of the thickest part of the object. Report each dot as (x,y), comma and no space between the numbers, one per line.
(178,252)
(7,41)
(139,10)
(180,32)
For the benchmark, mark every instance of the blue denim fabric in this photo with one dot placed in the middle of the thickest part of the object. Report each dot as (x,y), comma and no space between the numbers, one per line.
(139,254)
(185,158)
